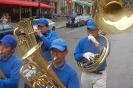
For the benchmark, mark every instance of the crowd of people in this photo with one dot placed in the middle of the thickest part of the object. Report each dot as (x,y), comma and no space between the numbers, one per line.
(6,18)
(55,47)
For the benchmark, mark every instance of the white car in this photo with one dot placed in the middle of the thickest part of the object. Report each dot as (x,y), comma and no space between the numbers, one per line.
(51,24)
(86,18)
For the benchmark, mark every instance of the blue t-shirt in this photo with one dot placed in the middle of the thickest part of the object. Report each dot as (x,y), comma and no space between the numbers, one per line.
(86,45)
(10,67)
(47,41)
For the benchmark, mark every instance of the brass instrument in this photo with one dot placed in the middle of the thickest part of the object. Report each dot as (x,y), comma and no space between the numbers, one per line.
(36,71)
(90,66)
(111,17)
(2,75)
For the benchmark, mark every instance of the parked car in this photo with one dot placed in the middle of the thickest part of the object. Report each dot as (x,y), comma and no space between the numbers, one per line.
(6,28)
(51,24)
(78,21)
(86,18)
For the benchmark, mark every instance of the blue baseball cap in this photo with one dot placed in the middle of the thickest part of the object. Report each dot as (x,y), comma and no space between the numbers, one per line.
(42,22)
(9,40)
(59,44)
(91,24)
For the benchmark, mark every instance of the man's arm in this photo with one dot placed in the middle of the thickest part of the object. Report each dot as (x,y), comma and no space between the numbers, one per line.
(13,81)
(78,54)
(49,40)
(73,81)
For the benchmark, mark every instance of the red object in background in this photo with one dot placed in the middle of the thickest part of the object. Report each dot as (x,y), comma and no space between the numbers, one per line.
(69,2)
(25,3)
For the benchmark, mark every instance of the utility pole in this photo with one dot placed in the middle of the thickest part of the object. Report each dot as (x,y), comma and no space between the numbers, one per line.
(39,8)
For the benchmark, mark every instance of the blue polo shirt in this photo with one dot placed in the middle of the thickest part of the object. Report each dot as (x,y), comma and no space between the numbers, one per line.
(10,67)
(67,75)
(47,41)
(86,45)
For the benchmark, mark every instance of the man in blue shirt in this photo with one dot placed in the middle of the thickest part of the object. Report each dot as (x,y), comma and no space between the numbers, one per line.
(73,16)
(10,64)
(66,73)
(87,48)
(45,35)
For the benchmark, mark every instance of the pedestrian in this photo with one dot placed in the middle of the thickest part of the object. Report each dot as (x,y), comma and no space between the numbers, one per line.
(73,16)
(55,15)
(87,49)
(4,20)
(8,18)
(67,75)
(10,64)
(43,33)
(21,35)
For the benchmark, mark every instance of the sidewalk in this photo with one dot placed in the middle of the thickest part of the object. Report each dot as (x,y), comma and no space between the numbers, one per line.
(58,24)
(61,22)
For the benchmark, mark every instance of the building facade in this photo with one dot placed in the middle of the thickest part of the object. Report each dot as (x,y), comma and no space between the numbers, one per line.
(62,7)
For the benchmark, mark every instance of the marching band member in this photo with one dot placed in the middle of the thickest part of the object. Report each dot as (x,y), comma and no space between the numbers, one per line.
(45,35)
(10,64)
(66,73)
(86,49)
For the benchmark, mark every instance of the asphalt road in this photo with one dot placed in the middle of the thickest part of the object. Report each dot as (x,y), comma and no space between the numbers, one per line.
(120,62)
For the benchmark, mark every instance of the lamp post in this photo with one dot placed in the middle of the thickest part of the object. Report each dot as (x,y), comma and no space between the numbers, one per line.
(39,8)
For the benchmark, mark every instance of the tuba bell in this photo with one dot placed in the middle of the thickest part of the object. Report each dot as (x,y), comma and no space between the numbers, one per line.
(36,71)
(111,17)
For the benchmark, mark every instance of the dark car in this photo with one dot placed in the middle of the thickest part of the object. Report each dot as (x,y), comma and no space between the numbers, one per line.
(6,28)
(78,21)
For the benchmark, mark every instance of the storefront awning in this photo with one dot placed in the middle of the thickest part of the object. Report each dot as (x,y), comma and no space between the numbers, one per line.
(25,3)
(84,4)
(89,5)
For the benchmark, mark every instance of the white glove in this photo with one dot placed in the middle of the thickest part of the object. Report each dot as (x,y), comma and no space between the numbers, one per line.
(90,56)
(92,38)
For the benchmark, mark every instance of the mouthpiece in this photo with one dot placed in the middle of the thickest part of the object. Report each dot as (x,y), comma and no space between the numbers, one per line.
(55,58)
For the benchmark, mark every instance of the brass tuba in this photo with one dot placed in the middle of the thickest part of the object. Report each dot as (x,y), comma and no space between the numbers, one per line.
(2,75)
(36,71)
(90,66)
(111,17)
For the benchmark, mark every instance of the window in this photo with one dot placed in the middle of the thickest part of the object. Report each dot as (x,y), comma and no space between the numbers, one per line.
(1,28)
(7,26)
(34,22)
(49,21)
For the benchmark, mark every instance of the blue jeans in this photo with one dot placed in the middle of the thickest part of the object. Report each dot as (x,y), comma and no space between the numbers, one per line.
(72,25)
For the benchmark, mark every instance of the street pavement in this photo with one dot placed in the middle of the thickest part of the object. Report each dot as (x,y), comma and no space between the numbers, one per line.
(119,69)
(119,62)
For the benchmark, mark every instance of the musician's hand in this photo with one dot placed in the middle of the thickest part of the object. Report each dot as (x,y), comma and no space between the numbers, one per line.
(90,56)
(92,38)
(38,32)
